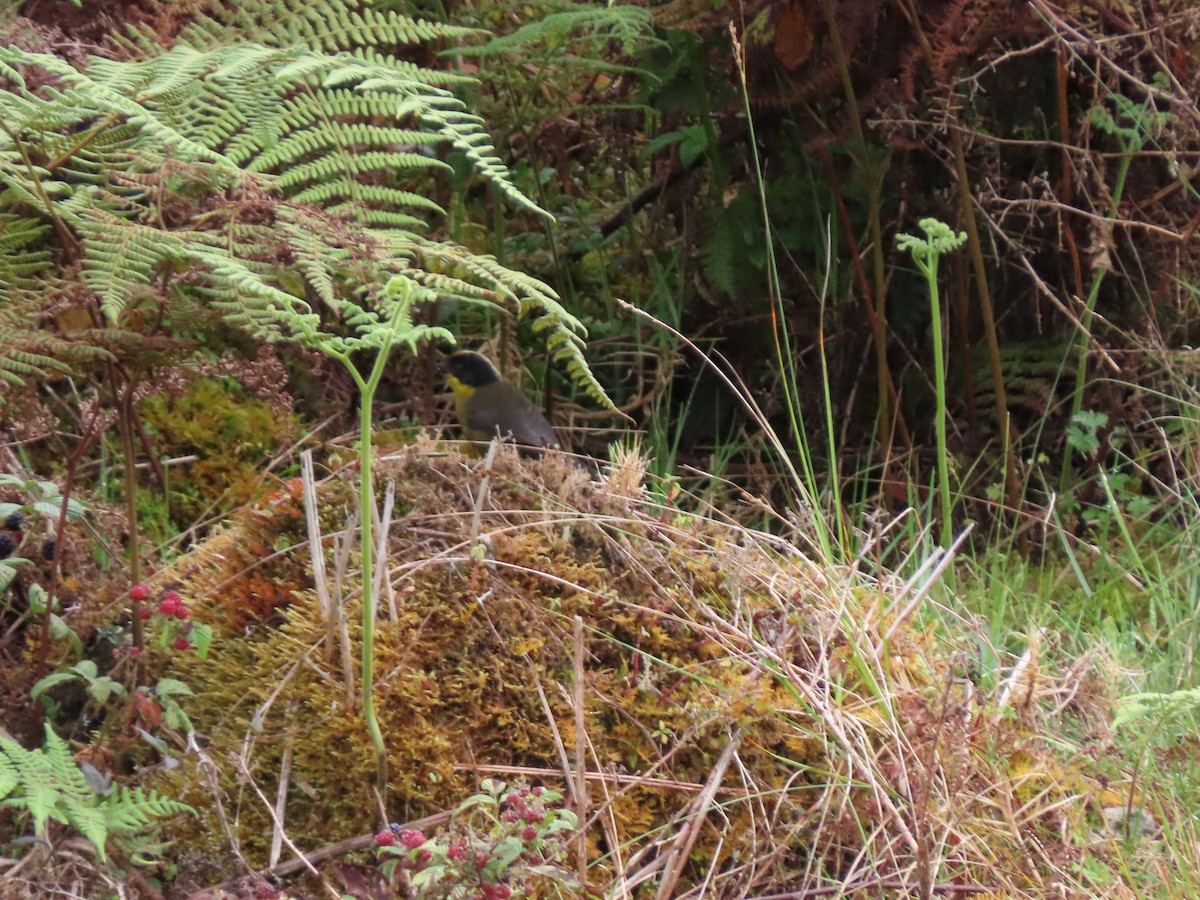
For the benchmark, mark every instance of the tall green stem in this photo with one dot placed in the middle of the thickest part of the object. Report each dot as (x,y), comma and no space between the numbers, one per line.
(939,386)
(366,490)
(1142,120)
(1085,323)
(925,252)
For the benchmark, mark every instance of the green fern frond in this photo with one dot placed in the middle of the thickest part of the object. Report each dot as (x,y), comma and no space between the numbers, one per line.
(302,110)
(18,232)
(354,137)
(386,197)
(37,789)
(249,302)
(242,137)
(563,333)
(327,27)
(128,809)
(121,257)
(9,779)
(16,365)
(723,254)
(631,25)
(51,786)
(371,27)
(48,784)
(328,167)
(25,348)
(444,78)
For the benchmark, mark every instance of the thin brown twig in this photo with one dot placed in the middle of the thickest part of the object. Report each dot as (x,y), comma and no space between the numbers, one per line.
(329,851)
(301,857)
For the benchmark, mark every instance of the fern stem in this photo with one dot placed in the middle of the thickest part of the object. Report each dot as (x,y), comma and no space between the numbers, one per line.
(366,488)
(65,234)
(925,252)
(939,385)
(366,503)
(1129,147)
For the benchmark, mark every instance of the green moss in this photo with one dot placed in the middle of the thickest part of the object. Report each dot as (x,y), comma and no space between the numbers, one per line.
(230,433)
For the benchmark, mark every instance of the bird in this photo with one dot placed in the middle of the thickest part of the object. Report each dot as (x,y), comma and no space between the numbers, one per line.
(488,406)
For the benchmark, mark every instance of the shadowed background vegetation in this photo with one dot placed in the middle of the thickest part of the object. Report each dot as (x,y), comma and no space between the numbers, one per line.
(690,210)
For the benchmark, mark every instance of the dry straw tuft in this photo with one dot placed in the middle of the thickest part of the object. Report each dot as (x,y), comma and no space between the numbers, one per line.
(747,730)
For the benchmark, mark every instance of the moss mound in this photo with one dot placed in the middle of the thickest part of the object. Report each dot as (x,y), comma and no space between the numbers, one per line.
(745,723)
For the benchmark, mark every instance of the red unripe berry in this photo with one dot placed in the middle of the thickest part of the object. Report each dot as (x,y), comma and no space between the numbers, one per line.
(457,850)
(168,607)
(181,643)
(412,838)
(385,838)
(139,592)
(145,612)
(528,834)
(172,597)
(182,612)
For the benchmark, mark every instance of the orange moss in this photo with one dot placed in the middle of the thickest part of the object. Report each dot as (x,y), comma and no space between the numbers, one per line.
(475,673)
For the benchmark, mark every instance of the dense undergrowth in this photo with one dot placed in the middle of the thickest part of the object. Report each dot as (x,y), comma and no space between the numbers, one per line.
(901,601)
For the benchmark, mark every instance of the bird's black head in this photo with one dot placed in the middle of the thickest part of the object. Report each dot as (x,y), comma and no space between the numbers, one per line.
(471,369)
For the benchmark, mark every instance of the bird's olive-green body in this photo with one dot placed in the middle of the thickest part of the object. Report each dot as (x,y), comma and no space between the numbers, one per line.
(488,406)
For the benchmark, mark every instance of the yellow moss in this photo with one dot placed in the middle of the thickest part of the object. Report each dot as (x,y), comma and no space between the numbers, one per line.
(480,647)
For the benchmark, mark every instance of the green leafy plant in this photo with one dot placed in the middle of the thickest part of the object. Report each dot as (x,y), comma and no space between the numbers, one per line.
(45,499)
(378,328)
(1083,434)
(100,688)
(8,571)
(296,181)
(502,842)
(47,785)
(171,629)
(939,238)
(1182,704)
(1132,125)
(41,604)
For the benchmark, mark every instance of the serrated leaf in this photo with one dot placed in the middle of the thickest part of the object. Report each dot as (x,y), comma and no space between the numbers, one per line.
(49,681)
(86,669)
(201,636)
(172,687)
(103,688)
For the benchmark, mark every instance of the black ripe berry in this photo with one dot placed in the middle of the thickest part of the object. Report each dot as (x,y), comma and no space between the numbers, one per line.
(14,520)
(7,545)
(48,549)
